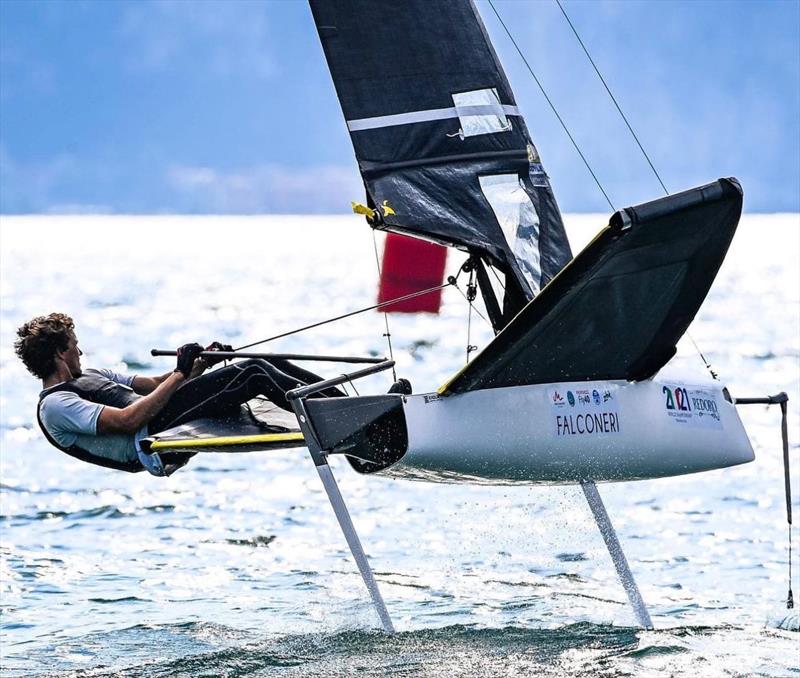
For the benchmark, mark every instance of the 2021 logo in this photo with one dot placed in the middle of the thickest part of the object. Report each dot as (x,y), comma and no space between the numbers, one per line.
(677,399)
(692,406)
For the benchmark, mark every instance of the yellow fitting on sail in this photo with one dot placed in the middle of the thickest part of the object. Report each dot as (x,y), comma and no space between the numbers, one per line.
(387,210)
(368,212)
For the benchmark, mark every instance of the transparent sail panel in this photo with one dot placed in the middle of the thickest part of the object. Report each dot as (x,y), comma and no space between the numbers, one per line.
(480,112)
(519,221)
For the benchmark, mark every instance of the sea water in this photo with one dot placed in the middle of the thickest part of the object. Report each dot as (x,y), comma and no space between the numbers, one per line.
(236,566)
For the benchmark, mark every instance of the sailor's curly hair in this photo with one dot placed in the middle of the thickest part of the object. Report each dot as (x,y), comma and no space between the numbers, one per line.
(40,339)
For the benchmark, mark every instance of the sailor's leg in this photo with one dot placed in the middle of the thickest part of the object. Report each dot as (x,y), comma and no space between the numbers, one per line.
(617,555)
(274,381)
(222,391)
(305,376)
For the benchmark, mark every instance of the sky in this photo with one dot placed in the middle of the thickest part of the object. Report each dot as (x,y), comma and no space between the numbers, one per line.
(199,106)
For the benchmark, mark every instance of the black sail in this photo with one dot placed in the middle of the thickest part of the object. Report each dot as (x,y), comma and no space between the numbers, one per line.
(619,308)
(442,148)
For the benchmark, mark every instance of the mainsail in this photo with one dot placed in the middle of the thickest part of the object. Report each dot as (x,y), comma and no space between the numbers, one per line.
(441,145)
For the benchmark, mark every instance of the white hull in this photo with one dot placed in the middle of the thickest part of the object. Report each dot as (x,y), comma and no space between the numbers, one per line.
(565,433)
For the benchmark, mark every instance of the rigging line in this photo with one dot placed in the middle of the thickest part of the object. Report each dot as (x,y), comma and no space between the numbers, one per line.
(405,297)
(488,322)
(353,386)
(553,108)
(469,332)
(471,293)
(635,138)
(388,334)
(707,364)
(497,277)
(641,148)
(790,596)
(613,98)
(574,143)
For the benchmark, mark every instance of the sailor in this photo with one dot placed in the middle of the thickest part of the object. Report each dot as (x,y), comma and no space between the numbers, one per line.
(99,416)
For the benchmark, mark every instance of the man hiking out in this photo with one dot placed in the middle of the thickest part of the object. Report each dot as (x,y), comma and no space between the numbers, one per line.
(99,416)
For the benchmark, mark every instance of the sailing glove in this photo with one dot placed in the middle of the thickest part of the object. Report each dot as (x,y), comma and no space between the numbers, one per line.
(216,346)
(186,357)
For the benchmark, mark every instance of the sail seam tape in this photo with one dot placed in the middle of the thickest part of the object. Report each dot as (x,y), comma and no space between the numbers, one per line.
(426,116)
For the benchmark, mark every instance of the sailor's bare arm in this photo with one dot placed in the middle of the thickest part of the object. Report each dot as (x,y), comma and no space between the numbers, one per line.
(130,419)
(145,385)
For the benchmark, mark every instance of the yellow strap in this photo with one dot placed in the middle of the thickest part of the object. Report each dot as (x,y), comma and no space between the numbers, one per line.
(358,208)
(228,441)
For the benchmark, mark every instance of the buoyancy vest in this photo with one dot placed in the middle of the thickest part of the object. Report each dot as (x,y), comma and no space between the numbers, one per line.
(96,388)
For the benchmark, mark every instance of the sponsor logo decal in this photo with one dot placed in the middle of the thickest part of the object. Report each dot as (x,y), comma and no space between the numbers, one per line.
(592,411)
(587,424)
(691,406)
(431,397)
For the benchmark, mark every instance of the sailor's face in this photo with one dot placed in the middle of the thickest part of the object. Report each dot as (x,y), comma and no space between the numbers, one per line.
(72,356)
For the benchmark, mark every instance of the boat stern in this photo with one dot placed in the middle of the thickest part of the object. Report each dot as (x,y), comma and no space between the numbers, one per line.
(370,431)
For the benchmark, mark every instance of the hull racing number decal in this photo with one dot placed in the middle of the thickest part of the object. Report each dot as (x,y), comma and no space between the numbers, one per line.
(587,411)
(691,406)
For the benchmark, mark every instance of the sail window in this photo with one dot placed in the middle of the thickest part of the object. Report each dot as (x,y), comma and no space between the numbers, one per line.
(519,221)
(480,112)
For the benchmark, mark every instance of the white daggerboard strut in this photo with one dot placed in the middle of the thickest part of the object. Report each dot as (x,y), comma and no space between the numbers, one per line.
(617,555)
(342,514)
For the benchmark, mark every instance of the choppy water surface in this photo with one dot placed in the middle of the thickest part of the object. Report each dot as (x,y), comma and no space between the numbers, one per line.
(235,566)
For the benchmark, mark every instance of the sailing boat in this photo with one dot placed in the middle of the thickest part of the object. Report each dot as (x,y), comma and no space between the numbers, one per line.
(568,390)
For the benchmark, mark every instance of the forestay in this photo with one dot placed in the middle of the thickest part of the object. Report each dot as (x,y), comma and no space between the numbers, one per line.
(441,145)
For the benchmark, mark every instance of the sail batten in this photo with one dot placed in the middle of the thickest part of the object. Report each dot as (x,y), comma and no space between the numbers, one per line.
(438,135)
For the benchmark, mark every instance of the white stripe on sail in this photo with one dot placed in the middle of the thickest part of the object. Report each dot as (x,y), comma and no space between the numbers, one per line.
(425,116)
